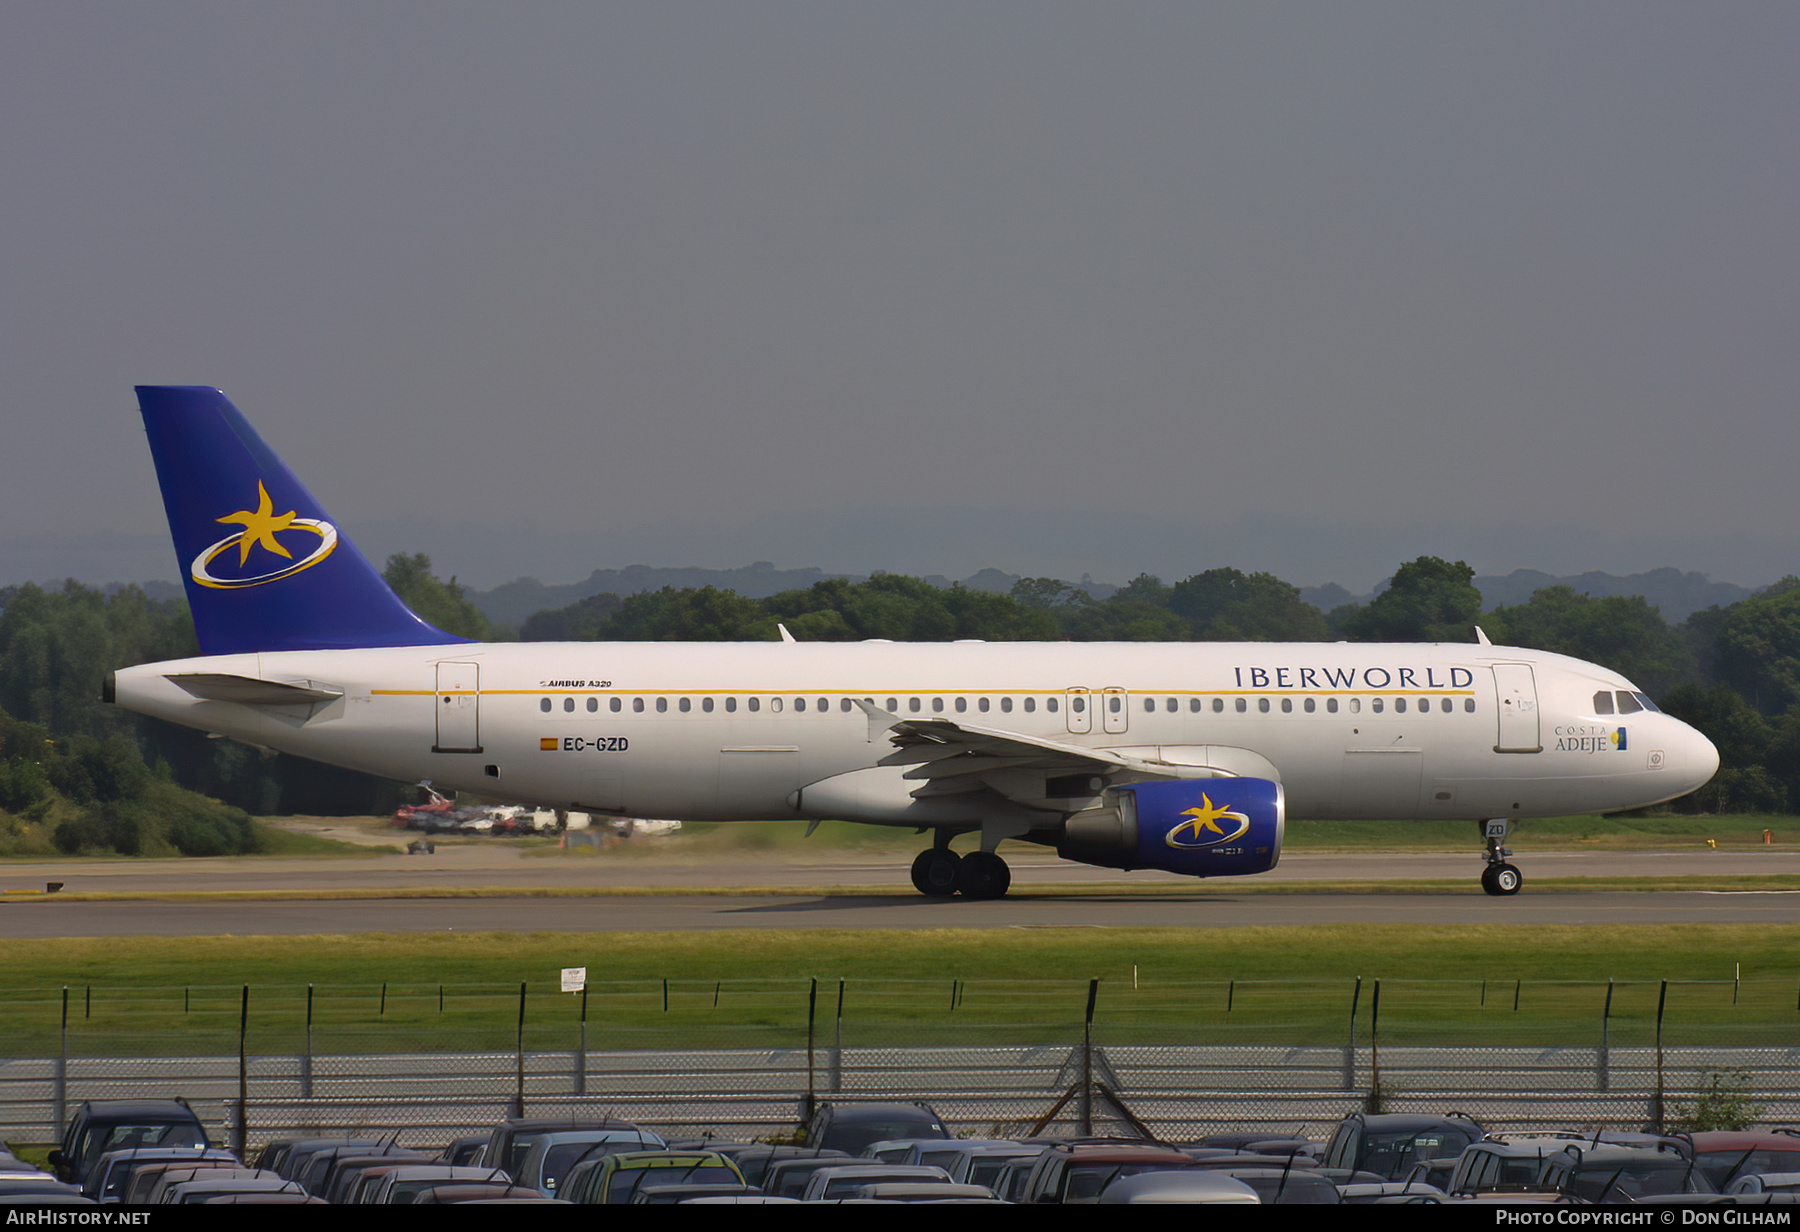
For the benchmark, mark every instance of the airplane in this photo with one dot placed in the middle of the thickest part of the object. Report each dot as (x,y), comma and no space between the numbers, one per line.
(1186,757)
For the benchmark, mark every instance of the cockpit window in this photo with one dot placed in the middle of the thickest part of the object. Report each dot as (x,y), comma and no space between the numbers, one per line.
(1603,702)
(1628,703)
(1647,704)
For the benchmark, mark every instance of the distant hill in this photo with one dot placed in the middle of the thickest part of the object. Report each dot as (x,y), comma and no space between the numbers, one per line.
(511,602)
(1678,595)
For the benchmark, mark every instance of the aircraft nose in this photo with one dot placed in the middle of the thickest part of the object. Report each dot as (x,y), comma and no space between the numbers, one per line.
(1696,758)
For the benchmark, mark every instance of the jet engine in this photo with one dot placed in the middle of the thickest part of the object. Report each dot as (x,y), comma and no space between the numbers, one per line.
(1202,827)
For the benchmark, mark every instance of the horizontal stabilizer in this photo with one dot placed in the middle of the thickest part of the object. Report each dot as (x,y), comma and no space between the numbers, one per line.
(248,691)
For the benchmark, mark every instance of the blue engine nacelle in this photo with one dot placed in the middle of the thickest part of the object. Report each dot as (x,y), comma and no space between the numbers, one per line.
(1202,827)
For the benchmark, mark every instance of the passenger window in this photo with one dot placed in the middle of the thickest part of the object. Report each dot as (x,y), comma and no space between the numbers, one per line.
(893,705)
(1219,705)
(982,705)
(825,704)
(912,704)
(1030,705)
(685,705)
(1194,705)
(615,705)
(1287,705)
(774,705)
(1311,705)
(637,705)
(962,705)
(799,704)
(1445,706)
(1399,705)
(937,705)
(662,705)
(1116,704)
(593,704)
(1078,704)
(706,704)
(1262,705)
(1173,706)
(544,705)
(1006,705)
(731,705)
(753,704)
(1603,702)
(1149,704)
(568,705)
(1628,704)
(1331,705)
(1375,704)
(846,705)
(1242,705)
(1356,705)
(1469,704)
(1424,705)
(1050,704)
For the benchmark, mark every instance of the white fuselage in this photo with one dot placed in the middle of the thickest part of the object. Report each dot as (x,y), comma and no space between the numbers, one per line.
(739,731)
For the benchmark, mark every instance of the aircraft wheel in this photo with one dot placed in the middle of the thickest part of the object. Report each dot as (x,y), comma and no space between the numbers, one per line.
(983,875)
(934,872)
(1501,880)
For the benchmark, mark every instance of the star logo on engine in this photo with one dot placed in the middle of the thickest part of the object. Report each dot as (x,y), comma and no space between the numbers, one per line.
(1202,828)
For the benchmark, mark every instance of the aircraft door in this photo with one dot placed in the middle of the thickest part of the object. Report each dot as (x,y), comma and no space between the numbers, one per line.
(458,703)
(1516,692)
(1115,713)
(1078,705)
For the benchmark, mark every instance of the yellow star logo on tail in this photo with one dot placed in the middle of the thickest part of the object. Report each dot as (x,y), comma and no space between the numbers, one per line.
(260,525)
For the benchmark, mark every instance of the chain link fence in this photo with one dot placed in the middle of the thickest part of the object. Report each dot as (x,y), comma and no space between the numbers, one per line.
(748,1058)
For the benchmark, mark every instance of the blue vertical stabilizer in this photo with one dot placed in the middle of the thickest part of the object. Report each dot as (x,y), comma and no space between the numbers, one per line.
(265,569)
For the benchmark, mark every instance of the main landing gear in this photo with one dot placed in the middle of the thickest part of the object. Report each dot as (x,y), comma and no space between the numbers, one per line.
(938,872)
(1499,878)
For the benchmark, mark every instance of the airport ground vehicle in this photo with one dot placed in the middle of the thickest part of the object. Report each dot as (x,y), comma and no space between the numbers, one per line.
(1187,757)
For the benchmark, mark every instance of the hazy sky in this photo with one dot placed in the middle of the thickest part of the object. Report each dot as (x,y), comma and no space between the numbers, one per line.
(927,287)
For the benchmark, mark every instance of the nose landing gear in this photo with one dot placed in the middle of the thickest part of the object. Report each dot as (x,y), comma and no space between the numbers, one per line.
(1499,878)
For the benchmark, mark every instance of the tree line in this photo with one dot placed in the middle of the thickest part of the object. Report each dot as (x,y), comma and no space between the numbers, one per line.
(76,775)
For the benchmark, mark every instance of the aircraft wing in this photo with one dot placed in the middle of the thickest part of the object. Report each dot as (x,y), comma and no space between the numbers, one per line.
(949,758)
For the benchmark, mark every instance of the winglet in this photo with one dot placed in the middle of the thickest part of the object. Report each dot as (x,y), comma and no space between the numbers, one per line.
(1481,637)
(265,569)
(785,635)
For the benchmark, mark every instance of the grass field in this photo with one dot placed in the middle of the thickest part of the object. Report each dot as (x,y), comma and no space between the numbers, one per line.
(1472,984)
(1277,985)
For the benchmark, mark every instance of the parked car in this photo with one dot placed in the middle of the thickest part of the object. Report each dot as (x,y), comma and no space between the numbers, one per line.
(853,1127)
(1390,1144)
(102,1125)
(1607,1173)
